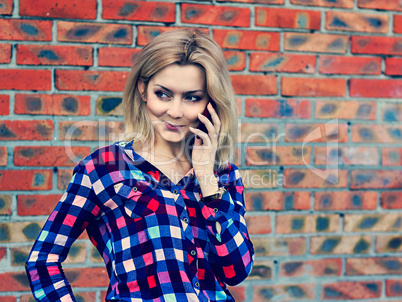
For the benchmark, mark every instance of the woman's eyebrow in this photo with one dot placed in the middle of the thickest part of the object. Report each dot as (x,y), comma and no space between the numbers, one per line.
(187,92)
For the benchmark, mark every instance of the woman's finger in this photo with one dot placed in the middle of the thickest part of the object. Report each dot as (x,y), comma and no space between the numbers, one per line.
(208,124)
(203,136)
(215,118)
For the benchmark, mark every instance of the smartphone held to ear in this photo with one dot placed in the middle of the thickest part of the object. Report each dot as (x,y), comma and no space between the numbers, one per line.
(208,116)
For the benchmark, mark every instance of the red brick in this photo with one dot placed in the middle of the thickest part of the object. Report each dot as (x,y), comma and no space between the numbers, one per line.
(16,180)
(238,292)
(277,155)
(138,11)
(373,222)
(63,178)
(259,224)
(316,42)
(393,288)
(117,56)
(392,156)
(52,104)
(65,156)
(109,105)
(286,108)
(6,8)
(305,178)
(391,200)
(392,112)
(374,266)
(90,80)
(9,299)
(345,200)
(254,84)
(379,179)
(308,268)
(54,55)
(91,131)
(3,156)
(393,66)
(340,245)
(349,65)
(330,132)
(282,246)
(25,30)
(254,1)
(247,40)
(326,3)
(345,110)
(277,201)
(280,62)
(376,134)
(283,292)
(82,277)
(352,290)
(397,24)
(376,45)
(3,253)
(236,60)
(94,32)
(313,87)
(5,209)
(215,15)
(69,9)
(10,281)
(4,104)
(259,132)
(380,4)
(376,88)
(357,22)
(26,130)
(287,18)
(5,53)
(292,224)
(258,179)
(345,156)
(28,205)
(388,243)
(146,33)
(25,79)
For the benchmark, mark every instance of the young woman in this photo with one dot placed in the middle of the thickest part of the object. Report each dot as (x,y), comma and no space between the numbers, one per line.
(165,208)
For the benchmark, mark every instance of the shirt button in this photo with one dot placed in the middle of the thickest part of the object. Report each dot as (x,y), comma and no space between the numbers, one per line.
(122,144)
(135,189)
(175,191)
(185,220)
(215,210)
(190,175)
(193,253)
(197,284)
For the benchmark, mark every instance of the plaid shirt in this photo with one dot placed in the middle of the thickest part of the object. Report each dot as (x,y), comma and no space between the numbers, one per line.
(159,241)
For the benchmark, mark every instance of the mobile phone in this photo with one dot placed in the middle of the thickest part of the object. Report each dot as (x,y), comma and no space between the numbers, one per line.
(201,126)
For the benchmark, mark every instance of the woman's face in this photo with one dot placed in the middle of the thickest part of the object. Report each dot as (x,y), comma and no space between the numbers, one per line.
(174,97)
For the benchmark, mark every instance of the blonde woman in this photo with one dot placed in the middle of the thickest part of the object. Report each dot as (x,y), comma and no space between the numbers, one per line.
(164,208)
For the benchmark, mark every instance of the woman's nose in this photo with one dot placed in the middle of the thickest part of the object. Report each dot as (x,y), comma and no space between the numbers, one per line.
(175,109)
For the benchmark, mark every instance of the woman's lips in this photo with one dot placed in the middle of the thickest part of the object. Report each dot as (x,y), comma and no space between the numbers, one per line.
(172,127)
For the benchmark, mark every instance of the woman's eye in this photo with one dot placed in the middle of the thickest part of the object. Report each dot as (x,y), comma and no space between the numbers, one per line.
(161,94)
(193,98)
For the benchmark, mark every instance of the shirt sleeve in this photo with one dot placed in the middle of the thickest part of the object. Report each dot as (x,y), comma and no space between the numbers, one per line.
(232,251)
(71,216)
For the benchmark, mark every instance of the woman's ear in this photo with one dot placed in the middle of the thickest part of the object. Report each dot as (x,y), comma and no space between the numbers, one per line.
(141,89)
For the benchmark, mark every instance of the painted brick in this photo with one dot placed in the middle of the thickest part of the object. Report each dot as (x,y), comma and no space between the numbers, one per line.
(397,24)
(254,84)
(5,53)
(393,288)
(283,292)
(377,134)
(3,156)
(82,277)
(91,131)
(316,268)
(94,32)
(284,108)
(11,281)
(374,266)
(392,156)
(307,133)
(54,55)
(259,133)
(392,112)
(255,1)
(259,224)
(238,293)
(25,79)
(33,204)
(380,4)
(391,200)
(117,56)
(90,80)
(236,60)
(393,66)
(26,130)
(52,104)
(5,207)
(277,155)
(258,179)
(138,11)
(380,179)
(26,231)
(316,42)
(215,15)
(80,296)
(22,180)
(25,30)
(351,290)
(277,201)
(96,257)
(345,156)
(4,104)
(284,246)
(345,110)
(326,3)
(262,270)
(3,253)
(109,105)
(388,243)
(313,87)
(340,245)
(247,40)
(63,178)
(280,62)
(376,88)
(357,22)
(293,224)
(6,8)
(287,18)
(9,299)
(345,200)
(70,9)
(49,156)
(390,222)
(376,45)
(305,178)
(349,65)
(146,33)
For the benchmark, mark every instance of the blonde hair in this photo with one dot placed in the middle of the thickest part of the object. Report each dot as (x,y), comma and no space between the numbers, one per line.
(183,47)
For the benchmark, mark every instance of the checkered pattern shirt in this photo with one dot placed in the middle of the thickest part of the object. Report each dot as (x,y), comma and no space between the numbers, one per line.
(159,241)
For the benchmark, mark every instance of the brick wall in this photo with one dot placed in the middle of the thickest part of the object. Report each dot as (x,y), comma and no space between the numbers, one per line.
(319,92)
